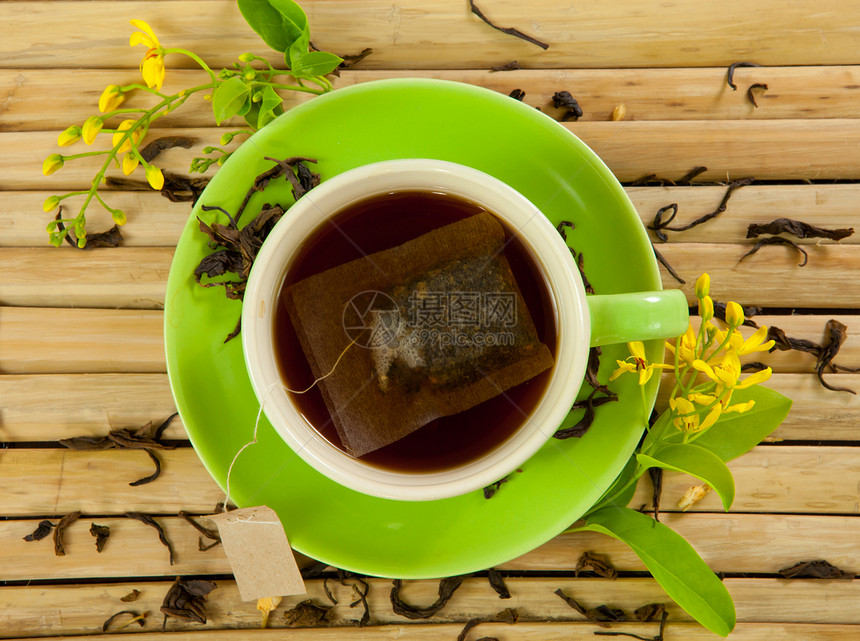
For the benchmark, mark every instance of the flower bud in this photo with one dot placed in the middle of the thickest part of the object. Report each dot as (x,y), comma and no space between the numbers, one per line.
(92,126)
(129,163)
(118,216)
(703,286)
(227,138)
(124,126)
(734,314)
(70,135)
(706,308)
(154,177)
(247,57)
(111,98)
(52,163)
(51,203)
(257,97)
(250,75)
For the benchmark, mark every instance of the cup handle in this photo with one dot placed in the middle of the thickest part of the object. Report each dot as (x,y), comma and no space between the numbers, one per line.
(637,316)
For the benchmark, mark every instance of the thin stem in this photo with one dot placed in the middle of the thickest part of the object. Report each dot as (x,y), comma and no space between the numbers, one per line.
(196,59)
(317,92)
(84,154)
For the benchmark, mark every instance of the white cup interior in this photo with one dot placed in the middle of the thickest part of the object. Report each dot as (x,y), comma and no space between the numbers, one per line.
(548,252)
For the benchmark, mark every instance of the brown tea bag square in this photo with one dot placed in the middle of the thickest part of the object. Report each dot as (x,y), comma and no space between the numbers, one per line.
(439,326)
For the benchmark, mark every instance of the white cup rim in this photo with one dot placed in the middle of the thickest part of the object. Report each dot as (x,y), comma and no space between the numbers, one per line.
(536,233)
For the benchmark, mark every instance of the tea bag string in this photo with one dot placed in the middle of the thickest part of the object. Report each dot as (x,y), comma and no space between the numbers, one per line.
(271,389)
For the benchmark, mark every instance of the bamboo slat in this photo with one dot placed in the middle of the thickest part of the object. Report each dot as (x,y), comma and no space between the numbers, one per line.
(655,34)
(42,99)
(136,277)
(735,543)
(83,609)
(57,341)
(96,403)
(51,481)
(819,149)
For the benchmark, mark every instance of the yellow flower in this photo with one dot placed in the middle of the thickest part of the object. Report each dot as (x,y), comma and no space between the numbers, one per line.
(124,126)
(692,496)
(154,177)
(688,419)
(52,163)
(111,98)
(727,376)
(70,135)
(754,343)
(265,606)
(686,346)
(129,163)
(734,314)
(708,399)
(640,364)
(703,286)
(152,65)
(92,126)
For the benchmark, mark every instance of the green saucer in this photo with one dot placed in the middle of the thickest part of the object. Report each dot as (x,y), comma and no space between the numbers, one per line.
(410,118)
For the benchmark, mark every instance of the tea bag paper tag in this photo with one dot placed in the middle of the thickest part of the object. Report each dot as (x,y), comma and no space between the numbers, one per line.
(259,553)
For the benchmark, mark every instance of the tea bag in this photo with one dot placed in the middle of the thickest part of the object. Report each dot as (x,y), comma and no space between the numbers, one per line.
(438,323)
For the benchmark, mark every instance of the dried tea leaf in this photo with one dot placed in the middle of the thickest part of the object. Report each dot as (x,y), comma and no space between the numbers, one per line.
(132,596)
(777,240)
(603,613)
(471,623)
(597,563)
(819,569)
(497,582)
(754,366)
(490,490)
(151,522)
(649,612)
(266,606)
(187,600)
(836,335)
(65,522)
(730,74)
(508,615)
(101,534)
(589,404)
(360,588)
(797,229)
(137,617)
(588,614)
(350,60)
(314,570)
(564,100)
(692,496)
(517,94)
(656,474)
(784,343)
(306,614)
(209,533)
(154,475)
(751,95)
(660,224)
(447,587)
(662,260)
(513,65)
(688,178)
(110,238)
(508,30)
(42,530)
(150,151)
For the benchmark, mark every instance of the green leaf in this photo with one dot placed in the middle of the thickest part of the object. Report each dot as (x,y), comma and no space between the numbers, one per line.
(232,97)
(697,461)
(278,22)
(673,563)
(298,49)
(271,100)
(315,63)
(735,433)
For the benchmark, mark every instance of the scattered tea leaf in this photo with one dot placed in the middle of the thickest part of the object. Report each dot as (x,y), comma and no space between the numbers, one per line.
(154,475)
(692,496)
(588,614)
(350,60)
(492,488)
(101,534)
(783,343)
(579,429)
(447,587)
(150,151)
(314,570)
(66,521)
(360,588)
(662,260)
(751,95)
(187,600)
(819,569)
(497,582)
(777,240)
(306,614)
(42,530)
(110,238)
(755,366)
(517,94)
(730,74)
(132,596)
(649,612)
(798,229)
(508,615)
(606,614)
(656,474)
(471,623)
(209,533)
(328,592)
(836,335)
(660,224)
(151,522)
(136,617)
(564,100)
(266,606)
(508,30)
(694,173)
(597,563)
(513,65)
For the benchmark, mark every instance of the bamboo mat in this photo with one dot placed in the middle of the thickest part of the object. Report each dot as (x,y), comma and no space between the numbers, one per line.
(81,346)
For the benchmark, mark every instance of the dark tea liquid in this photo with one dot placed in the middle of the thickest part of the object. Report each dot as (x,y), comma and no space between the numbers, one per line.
(382,222)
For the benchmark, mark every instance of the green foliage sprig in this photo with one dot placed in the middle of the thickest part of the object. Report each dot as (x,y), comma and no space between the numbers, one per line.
(250,89)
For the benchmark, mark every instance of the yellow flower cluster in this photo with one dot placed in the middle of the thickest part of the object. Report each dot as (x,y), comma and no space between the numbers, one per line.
(707,365)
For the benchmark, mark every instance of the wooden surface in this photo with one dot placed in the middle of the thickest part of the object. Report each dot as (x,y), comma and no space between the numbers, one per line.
(81,346)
